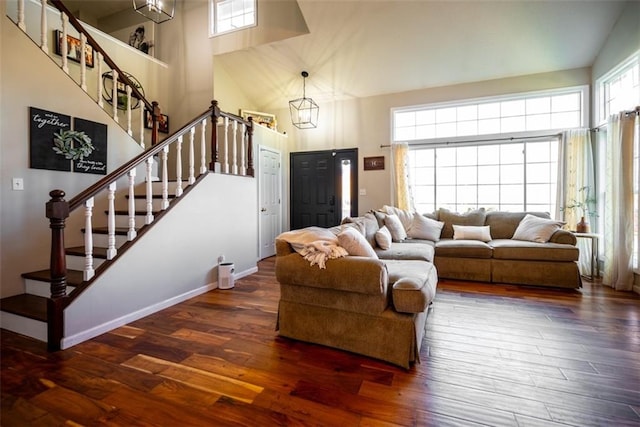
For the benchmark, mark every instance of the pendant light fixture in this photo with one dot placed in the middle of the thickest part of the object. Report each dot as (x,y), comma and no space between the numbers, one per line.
(304,111)
(158,11)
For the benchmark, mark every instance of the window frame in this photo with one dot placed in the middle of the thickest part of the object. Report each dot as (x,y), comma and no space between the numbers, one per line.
(601,113)
(213,23)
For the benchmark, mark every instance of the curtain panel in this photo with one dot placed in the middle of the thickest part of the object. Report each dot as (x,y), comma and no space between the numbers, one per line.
(400,165)
(618,203)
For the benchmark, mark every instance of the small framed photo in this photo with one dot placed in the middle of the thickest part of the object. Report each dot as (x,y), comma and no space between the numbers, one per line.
(265,119)
(163,124)
(374,163)
(73,48)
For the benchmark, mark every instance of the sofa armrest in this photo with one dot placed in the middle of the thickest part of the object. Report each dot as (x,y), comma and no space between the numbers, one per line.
(353,274)
(414,294)
(564,237)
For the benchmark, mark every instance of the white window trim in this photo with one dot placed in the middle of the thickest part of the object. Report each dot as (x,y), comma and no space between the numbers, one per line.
(598,101)
(212,21)
(583,89)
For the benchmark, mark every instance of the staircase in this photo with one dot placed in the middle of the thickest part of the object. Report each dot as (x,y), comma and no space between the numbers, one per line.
(130,212)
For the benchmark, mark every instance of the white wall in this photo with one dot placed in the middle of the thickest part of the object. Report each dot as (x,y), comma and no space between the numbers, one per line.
(30,78)
(179,255)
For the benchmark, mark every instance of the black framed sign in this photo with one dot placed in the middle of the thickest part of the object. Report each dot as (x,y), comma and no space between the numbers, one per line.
(43,125)
(96,162)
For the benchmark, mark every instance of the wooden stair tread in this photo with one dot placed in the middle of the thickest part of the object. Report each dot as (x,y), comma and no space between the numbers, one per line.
(119,231)
(126,212)
(74,277)
(153,196)
(98,252)
(26,305)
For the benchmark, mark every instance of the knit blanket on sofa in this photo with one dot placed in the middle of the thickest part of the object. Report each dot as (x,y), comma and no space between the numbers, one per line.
(315,244)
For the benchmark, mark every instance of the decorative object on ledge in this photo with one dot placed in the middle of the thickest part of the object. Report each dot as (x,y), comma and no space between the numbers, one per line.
(264,119)
(374,163)
(304,111)
(107,84)
(158,11)
(73,48)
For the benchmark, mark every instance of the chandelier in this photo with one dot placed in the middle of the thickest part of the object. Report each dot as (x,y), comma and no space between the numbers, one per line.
(304,111)
(158,11)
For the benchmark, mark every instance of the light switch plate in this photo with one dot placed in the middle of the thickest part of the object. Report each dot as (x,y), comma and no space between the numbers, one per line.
(363,191)
(17,184)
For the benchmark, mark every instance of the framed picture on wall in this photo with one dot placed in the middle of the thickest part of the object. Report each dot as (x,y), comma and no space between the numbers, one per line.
(73,48)
(163,124)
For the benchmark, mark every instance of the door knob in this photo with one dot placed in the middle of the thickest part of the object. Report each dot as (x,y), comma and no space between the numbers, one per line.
(263,210)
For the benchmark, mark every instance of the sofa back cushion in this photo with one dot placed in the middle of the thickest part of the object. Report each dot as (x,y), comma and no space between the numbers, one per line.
(504,224)
(449,218)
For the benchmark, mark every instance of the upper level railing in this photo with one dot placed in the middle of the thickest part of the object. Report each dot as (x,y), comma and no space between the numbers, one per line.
(124,95)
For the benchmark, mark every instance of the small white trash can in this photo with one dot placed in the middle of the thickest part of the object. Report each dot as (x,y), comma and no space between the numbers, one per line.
(225,275)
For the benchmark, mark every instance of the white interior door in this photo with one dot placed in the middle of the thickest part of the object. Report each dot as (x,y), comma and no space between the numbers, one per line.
(269,200)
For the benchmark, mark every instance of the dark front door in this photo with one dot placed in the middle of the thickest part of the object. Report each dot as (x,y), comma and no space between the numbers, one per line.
(317,180)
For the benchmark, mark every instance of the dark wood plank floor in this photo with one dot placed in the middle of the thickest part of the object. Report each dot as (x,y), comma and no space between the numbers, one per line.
(493,355)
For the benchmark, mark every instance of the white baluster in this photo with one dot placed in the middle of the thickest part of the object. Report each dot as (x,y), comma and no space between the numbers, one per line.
(129,131)
(114,95)
(83,62)
(64,47)
(234,153)
(243,166)
(132,233)
(149,187)
(203,147)
(43,27)
(226,145)
(192,137)
(88,272)
(179,167)
(99,61)
(142,118)
(165,178)
(21,16)
(111,222)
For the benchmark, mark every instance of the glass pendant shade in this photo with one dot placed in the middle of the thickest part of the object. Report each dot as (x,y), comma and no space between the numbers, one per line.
(158,11)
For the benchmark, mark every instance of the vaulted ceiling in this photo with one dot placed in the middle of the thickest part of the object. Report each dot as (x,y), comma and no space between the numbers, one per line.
(361,48)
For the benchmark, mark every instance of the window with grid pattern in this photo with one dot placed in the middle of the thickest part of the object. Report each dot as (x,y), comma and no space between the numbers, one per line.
(231,15)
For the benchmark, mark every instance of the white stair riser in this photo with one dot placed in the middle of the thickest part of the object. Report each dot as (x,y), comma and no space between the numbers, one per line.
(141,204)
(123,221)
(23,325)
(41,289)
(157,187)
(76,262)
(102,240)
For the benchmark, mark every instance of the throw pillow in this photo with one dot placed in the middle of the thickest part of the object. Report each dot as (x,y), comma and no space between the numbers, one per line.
(383,237)
(449,218)
(406,217)
(535,229)
(471,232)
(355,243)
(425,228)
(398,233)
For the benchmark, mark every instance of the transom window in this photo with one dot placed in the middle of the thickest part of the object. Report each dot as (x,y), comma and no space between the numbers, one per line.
(559,109)
(619,89)
(231,15)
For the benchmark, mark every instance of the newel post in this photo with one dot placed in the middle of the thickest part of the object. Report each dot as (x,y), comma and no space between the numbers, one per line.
(215,113)
(57,210)
(250,170)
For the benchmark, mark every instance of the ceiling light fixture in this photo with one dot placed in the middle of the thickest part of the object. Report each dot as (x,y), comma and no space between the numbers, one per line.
(304,111)
(158,11)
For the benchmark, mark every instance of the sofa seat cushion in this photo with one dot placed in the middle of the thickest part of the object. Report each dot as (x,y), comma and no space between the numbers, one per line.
(407,251)
(525,250)
(414,294)
(463,249)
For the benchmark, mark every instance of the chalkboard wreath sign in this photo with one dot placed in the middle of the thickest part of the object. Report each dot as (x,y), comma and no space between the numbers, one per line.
(72,144)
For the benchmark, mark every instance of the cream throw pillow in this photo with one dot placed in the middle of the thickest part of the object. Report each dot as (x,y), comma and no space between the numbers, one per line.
(536,229)
(398,233)
(405,216)
(355,243)
(471,232)
(383,237)
(425,228)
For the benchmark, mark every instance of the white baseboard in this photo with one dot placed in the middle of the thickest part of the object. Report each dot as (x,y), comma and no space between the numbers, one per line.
(72,340)
(24,326)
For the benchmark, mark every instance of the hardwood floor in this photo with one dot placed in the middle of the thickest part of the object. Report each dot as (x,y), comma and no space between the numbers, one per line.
(493,355)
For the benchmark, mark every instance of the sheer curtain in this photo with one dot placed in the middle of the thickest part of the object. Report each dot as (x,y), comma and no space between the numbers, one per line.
(400,172)
(618,203)
(575,172)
